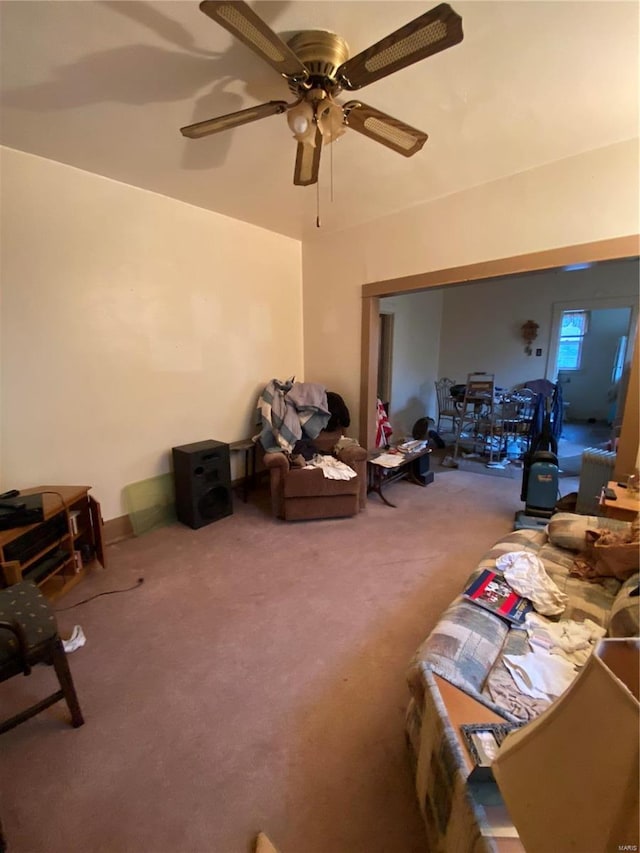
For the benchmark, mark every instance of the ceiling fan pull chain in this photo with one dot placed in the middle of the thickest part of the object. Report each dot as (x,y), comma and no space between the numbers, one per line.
(331,171)
(318,203)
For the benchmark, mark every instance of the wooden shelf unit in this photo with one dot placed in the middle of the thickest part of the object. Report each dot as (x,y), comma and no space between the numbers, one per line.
(57,552)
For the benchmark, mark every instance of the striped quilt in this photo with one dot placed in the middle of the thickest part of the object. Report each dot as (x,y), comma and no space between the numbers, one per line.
(289,410)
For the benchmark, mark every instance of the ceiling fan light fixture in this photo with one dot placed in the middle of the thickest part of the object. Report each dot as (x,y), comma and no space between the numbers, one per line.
(331,121)
(301,120)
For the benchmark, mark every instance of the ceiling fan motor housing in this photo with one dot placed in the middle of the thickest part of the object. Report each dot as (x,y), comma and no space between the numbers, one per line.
(322,53)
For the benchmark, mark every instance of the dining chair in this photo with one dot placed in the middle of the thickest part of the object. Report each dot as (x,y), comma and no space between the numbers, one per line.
(446,403)
(28,636)
(526,405)
(477,414)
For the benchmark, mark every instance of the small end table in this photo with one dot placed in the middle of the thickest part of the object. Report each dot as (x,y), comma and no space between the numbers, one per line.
(248,447)
(624,508)
(379,476)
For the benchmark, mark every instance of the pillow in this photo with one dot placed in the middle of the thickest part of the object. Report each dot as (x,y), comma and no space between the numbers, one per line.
(624,619)
(567,529)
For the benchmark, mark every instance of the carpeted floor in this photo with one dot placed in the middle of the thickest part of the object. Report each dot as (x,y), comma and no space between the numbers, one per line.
(256,680)
(575,437)
(569,466)
(508,469)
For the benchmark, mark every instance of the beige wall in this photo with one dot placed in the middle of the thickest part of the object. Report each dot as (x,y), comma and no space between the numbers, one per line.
(589,197)
(131,323)
(416,345)
(450,331)
(481,327)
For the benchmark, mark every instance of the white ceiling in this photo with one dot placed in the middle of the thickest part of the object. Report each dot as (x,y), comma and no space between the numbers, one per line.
(105,86)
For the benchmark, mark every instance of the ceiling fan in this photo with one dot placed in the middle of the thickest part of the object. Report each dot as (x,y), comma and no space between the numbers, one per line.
(317,67)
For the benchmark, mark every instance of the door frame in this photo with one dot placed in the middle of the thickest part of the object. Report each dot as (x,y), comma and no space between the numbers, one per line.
(616,248)
(385,355)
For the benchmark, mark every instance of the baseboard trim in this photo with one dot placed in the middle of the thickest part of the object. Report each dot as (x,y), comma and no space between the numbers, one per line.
(120,528)
(117,529)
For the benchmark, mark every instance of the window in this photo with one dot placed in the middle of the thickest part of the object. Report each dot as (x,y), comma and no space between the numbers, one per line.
(573,328)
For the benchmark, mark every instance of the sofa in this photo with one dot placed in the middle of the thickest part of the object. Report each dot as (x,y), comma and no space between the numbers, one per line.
(299,493)
(466,649)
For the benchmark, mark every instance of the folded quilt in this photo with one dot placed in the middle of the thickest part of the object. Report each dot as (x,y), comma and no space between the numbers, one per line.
(310,402)
(290,409)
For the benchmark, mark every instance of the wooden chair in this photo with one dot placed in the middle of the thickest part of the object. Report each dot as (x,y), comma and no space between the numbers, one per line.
(476,416)
(446,403)
(526,407)
(28,636)
(511,427)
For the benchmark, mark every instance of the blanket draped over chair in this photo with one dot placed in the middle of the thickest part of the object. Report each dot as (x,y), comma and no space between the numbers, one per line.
(302,423)
(290,409)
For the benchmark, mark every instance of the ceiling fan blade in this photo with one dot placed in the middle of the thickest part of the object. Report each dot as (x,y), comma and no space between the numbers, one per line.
(308,162)
(383,128)
(226,122)
(241,21)
(430,33)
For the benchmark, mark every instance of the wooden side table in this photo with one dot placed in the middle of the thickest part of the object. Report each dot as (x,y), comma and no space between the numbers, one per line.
(248,447)
(624,508)
(379,476)
(57,552)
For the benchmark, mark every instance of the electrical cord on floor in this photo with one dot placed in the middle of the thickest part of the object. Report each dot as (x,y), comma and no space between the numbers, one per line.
(137,584)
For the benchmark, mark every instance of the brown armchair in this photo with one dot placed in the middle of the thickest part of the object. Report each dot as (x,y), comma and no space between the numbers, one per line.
(302,493)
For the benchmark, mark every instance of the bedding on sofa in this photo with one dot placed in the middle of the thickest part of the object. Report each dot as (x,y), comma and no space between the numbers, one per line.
(467,648)
(467,645)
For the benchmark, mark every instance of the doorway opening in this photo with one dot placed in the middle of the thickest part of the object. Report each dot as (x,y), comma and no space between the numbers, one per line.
(564,258)
(589,360)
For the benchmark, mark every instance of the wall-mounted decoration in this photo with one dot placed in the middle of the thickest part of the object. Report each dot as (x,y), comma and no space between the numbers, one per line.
(529,332)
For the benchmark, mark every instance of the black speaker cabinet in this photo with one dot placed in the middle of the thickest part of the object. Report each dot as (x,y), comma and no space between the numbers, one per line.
(202,479)
(420,468)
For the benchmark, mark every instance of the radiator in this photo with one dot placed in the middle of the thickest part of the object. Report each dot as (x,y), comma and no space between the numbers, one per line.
(595,472)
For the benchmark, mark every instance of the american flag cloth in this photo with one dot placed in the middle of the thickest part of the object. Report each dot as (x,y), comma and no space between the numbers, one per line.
(383,427)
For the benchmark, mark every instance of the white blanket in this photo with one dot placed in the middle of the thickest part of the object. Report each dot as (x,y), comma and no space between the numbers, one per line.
(332,468)
(571,640)
(525,573)
(540,675)
(558,650)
